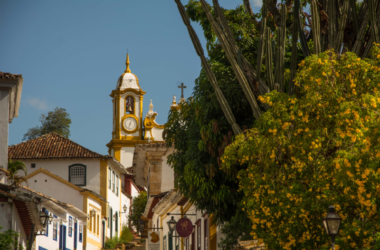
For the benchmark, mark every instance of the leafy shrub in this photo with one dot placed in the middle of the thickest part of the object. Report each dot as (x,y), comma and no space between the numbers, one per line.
(319,148)
(111,243)
(9,240)
(126,234)
(138,207)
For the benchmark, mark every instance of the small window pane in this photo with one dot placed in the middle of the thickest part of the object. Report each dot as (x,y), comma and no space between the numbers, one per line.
(109,178)
(113,182)
(70,226)
(117,185)
(55,226)
(80,233)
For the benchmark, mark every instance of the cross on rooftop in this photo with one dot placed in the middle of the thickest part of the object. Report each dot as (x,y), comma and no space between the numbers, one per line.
(182,87)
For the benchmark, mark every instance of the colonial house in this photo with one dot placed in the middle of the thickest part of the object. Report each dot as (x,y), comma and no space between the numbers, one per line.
(89,202)
(65,170)
(64,227)
(41,221)
(10,97)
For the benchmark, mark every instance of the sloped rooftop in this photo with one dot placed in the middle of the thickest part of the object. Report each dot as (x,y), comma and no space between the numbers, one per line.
(51,146)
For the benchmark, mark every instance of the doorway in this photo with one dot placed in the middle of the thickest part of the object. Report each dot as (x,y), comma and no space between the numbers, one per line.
(62,238)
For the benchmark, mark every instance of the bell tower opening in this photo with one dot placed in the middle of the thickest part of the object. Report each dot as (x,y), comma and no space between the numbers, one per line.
(130,105)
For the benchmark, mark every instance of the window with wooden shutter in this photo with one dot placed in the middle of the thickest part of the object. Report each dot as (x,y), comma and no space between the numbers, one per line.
(77,174)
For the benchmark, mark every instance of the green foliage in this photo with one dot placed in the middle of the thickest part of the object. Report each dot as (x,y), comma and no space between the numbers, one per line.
(138,207)
(125,237)
(111,243)
(57,121)
(9,240)
(235,229)
(126,234)
(318,149)
(13,168)
(200,132)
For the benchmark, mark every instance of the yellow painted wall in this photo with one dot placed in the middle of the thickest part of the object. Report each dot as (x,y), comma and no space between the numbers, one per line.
(85,209)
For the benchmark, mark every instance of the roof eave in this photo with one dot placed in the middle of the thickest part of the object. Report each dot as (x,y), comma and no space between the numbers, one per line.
(15,88)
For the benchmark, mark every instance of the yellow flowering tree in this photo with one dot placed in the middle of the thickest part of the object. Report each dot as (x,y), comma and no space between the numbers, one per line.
(318,149)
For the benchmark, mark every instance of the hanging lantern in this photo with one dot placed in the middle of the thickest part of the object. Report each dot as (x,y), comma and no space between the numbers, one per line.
(171,224)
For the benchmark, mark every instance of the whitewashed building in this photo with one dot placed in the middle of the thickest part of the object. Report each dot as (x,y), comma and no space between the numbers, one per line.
(65,230)
(67,171)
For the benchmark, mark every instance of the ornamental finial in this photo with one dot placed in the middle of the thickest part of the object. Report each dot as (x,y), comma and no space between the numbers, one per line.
(127,70)
(151,106)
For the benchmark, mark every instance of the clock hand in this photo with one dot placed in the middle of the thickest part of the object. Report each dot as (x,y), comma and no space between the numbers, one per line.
(129,125)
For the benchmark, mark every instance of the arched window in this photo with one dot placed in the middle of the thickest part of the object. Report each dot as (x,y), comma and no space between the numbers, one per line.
(77,174)
(129,105)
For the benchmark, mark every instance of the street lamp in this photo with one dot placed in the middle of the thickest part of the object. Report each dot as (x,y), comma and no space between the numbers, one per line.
(43,217)
(331,223)
(171,224)
(125,210)
(141,225)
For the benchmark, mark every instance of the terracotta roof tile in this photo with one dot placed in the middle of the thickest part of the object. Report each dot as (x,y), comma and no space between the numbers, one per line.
(4,75)
(50,146)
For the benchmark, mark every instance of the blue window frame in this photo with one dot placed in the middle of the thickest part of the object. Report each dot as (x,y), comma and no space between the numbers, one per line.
(80,233)
(70,226)
(47,224)
(55,229)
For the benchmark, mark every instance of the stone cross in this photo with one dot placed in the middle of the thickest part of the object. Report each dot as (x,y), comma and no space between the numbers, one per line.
(182,87)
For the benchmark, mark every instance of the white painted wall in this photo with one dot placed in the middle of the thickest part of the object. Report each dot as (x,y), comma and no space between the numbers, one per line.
(4,119)
(167,181)
(157,134)
(51,187)
(48,242)
(60,167)
(124,216)
(6,215)
(114,202)
(135,192)
(126,156)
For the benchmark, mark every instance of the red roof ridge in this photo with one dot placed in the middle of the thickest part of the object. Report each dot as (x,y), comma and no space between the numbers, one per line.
(51,145)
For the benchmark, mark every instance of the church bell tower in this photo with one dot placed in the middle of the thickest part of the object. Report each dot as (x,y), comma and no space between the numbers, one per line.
(127,100)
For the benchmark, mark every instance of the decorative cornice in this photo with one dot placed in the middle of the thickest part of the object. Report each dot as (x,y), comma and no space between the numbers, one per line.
(120,92)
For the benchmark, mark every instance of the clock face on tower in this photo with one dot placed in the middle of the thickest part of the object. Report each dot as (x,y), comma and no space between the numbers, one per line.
(130,123)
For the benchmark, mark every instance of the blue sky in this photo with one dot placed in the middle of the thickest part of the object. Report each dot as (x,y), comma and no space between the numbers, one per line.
(71,54)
